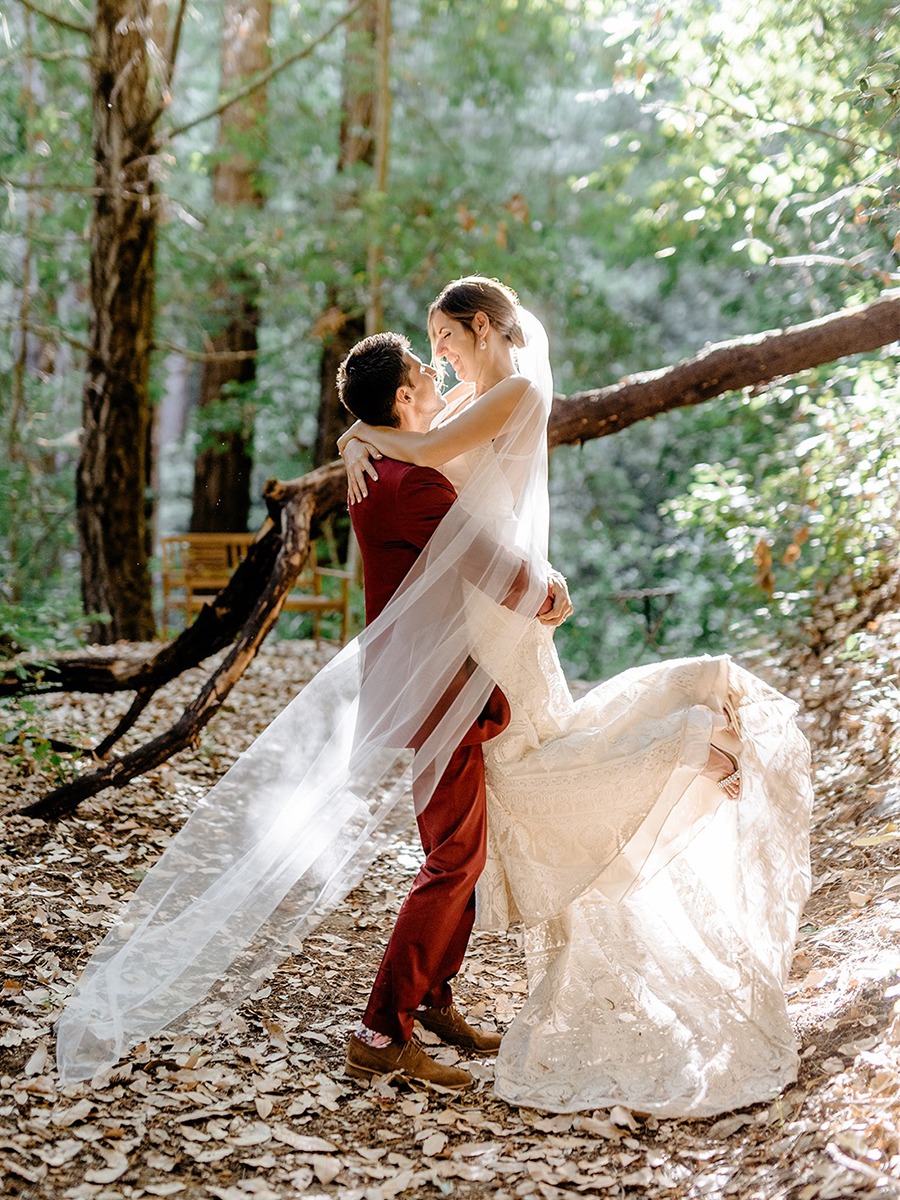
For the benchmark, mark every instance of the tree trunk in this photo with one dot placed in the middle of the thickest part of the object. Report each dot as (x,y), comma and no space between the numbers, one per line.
(341,329)
(222,470)
(112,482)
(344,331)
(381,159)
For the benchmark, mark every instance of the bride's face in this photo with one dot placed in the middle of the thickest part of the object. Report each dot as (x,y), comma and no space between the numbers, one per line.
(455,344)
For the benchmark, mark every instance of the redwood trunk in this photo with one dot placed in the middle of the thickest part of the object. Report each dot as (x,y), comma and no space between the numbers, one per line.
(342,329)
(345,331)
(112,481)
(222,470)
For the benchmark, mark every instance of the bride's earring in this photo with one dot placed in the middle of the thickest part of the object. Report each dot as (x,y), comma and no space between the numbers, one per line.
(482,345)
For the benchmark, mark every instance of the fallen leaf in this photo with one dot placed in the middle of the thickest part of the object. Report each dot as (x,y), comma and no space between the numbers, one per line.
(434,1143)
(621,1116)
(728,1125)
(253,1135)
(877,839)
(326,1170)
(73,1115)
(37,1062)
(302,1142)
(596,1127)
(117,1165)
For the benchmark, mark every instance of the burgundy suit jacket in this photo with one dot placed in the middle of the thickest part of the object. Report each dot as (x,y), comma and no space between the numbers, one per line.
(404,507)
(393,525)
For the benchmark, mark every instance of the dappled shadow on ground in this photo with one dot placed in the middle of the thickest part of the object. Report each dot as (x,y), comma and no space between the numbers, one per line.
(262,1110)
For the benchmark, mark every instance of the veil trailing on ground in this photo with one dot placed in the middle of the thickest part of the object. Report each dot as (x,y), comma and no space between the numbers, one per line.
(292,826)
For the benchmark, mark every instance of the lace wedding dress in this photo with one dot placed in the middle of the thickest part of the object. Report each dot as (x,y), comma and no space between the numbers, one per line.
(659,916)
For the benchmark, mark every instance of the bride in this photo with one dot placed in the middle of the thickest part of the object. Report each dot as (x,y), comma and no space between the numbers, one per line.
(659,909)
(651,839)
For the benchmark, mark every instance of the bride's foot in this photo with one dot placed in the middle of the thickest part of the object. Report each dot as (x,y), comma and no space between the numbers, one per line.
(723,765)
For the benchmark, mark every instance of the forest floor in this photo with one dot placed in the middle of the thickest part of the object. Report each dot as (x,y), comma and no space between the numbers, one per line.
(262,1111)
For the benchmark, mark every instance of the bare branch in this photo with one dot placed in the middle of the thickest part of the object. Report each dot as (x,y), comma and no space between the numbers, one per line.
(202,356)
(261,80)
(72,26)
(47,56)
(48,185)
(172,52)
(49,333)
(728,107)
(832,260)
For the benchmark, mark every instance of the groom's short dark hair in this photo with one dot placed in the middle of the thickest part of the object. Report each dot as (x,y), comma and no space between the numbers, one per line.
(368,378)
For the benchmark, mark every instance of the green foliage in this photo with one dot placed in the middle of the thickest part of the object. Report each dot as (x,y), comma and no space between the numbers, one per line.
(770,531)
(38,563)
(22,722)
(650,176)
(802,490)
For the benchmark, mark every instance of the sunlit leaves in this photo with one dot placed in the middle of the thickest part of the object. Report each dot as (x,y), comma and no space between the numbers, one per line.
(817,502)
(761,93)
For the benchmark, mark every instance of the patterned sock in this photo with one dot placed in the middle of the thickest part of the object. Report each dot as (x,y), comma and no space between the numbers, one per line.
(378,1041)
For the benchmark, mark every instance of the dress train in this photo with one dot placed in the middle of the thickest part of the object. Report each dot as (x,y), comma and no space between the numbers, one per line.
(659,916)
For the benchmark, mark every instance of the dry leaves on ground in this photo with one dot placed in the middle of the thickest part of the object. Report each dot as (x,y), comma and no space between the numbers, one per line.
(260,1109)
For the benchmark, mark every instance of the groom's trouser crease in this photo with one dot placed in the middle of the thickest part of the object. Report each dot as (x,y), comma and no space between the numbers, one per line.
(430,937)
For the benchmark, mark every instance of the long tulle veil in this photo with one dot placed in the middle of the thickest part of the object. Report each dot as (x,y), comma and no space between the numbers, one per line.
(292,826)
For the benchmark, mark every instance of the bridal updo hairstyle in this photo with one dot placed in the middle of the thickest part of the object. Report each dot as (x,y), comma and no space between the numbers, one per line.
(463,298)
(368,378)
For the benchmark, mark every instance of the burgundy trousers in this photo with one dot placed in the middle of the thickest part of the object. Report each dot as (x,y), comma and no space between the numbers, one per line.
(432,931)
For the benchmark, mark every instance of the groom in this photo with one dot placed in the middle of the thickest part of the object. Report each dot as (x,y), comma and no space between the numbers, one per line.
(383,383)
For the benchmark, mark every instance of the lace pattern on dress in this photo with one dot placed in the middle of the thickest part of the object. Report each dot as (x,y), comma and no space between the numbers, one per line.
(656,957)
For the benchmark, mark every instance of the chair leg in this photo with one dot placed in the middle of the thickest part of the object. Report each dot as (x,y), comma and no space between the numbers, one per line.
(345,614)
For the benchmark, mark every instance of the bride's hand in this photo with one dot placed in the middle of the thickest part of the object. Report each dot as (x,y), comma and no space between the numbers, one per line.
(562,604)
(358,458)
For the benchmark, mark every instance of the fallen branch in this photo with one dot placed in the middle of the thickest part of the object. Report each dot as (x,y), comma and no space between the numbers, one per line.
(248,607)
(296,509)
(217,624)
(727,367)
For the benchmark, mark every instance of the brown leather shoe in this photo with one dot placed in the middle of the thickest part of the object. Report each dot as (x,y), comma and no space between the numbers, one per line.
(407,1059)
(452,1028)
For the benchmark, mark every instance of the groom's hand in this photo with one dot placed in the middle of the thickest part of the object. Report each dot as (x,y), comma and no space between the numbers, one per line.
(561,603)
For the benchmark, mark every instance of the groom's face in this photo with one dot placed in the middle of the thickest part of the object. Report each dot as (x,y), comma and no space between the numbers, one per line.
(420,400)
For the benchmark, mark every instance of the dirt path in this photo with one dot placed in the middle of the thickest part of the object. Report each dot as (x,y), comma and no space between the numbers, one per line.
(262,1110)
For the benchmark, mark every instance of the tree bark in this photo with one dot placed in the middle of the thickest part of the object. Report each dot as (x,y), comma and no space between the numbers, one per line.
(221,499)
(345,330)
(341,328)
(727,367)
(382,138)
(112,481)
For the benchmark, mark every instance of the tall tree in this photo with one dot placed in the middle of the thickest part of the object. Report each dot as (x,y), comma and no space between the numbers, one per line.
(344,321)
(112,479)
(223,465)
